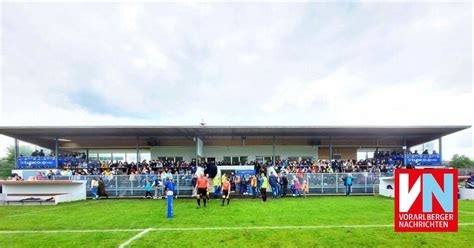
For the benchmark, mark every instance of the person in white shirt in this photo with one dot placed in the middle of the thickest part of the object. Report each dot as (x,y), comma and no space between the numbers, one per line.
(94,187)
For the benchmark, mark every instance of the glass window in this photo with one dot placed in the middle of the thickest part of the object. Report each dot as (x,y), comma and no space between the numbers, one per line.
(93,156)
(226,160)
(267,159)
(244,160)
(235,160)
(131,157)
(145,156)
(259,159)
(118,157)
(307,158)
(179,159)
(162,158)
(293,159)
(105,156)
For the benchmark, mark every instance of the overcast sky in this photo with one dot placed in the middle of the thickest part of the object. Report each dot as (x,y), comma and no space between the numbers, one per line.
(239,64)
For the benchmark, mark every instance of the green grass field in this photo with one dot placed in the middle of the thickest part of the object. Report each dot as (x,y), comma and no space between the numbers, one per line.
(317,221)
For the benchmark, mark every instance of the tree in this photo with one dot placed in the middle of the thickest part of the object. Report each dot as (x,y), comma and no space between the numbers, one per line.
(7,163)
(461,161)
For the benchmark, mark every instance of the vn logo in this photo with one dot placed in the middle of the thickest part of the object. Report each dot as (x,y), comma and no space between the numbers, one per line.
(426,200)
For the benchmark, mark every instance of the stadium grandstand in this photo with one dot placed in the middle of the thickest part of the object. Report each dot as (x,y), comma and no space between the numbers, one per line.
(128,156)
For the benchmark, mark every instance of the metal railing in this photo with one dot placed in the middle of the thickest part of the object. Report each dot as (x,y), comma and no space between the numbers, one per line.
(318,183)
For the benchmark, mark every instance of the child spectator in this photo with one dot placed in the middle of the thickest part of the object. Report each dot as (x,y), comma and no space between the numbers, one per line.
(148,189)
(305,188)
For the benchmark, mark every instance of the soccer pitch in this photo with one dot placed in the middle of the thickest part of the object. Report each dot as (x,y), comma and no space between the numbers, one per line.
(315,221)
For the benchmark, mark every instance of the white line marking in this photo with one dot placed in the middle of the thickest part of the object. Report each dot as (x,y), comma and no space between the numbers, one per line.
(279,227)
(466,212)
(69,231)
(203,228)
(135,237)
(53,207)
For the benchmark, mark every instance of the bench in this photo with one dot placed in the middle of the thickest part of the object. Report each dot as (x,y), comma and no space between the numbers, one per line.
(32,198)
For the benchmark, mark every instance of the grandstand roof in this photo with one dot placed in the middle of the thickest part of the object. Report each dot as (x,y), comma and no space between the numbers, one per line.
(45,135)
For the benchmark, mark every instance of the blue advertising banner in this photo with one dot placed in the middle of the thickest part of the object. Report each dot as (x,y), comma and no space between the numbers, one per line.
(245,172)
(36,162)
(423,159)
(420,159)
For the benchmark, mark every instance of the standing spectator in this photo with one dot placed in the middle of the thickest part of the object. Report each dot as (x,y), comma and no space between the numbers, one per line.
(470,181)
(259,184)
(217,186)
(50,174)
(274,184)
(193,184)
(41,153)
(284,185)
(253,186)
(238,184)
(39,176)
(148,189)
(243,183)
(94,187)
(295,185)
(263,187)
(132,178)
(101,189)
(157,186)
(348,183)
(224,178)
(305,188)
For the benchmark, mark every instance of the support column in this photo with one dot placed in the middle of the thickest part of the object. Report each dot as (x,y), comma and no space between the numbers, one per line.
(404,150)
(17,152)
(440,148)
(138,150)
(87,155)
(273,150)
(56,151)
(330,149)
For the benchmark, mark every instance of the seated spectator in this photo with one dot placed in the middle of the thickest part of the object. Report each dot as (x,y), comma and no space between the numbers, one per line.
(470,181)
(35,153)
(426,151)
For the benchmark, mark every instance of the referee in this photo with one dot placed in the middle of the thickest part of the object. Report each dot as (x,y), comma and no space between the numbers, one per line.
(201,188)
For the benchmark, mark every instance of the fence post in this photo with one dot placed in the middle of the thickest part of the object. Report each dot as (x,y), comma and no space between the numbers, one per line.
(337,186)
(365,175)
(116,185)
(322,182)
(177,186)
(131,187)
(307,183)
